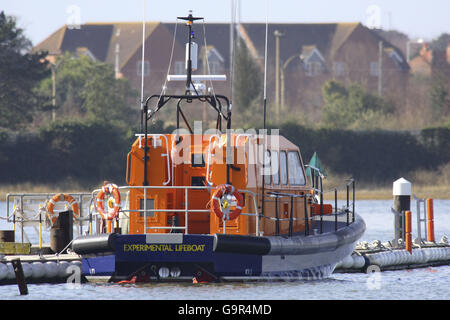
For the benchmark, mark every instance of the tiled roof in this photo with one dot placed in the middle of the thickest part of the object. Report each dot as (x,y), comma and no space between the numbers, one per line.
(100,39)
(217,35)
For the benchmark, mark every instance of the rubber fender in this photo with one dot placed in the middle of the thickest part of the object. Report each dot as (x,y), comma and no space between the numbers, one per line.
(51,269)
(241,244)
(358,262)
(27,270)
(347,262)
(38,270)
(98,243)
(11,274)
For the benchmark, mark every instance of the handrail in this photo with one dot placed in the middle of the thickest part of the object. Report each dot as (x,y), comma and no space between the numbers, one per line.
(209,158)
(185,209)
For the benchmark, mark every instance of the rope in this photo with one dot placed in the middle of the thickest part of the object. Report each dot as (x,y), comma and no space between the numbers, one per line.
(206,58)
(170,63)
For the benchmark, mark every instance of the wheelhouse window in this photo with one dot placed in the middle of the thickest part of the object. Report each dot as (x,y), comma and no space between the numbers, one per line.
(283,168)
(275,168)
(296,176)
(267,168)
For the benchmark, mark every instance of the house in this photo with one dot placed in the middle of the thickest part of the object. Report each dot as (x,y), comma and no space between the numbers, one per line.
(119,44)
(308,56)
(311,54)
(430,62)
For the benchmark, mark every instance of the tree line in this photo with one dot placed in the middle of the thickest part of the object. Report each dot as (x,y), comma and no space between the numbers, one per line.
(94,126)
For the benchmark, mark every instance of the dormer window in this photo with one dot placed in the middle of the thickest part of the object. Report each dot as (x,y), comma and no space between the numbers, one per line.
(313,68)
(397,58)
(179,67)
(215,61)
(313,61)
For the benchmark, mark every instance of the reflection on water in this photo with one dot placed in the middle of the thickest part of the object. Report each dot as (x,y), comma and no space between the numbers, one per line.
(389,285)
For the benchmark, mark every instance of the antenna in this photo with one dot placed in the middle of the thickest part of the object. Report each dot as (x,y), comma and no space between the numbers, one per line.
(265,104)
(142,65)
(191,60)
(189,21)
(265,64)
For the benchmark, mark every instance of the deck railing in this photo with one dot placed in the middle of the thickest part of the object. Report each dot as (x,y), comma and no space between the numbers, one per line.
(346,214)
(89,215)
(186,210)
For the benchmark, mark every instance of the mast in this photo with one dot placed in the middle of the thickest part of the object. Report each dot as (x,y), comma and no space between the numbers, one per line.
(189,21)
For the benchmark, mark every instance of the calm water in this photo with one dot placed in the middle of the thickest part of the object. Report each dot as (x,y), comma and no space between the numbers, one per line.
(426,283)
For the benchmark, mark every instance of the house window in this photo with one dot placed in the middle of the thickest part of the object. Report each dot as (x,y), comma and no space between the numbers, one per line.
(283,167)
(339,69)
(313,68)
(179,67)
(374,69)
(146,68)
(397,59)
(296,176)
(214,67)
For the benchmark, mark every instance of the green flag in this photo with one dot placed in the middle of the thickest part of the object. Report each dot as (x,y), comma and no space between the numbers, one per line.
(315,162)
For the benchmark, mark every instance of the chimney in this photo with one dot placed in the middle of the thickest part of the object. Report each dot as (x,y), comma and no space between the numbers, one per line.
(448,53)
(426,53)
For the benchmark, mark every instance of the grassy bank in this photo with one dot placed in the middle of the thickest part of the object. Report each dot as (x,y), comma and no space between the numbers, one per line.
(363,192)
(423,191)
(28,187)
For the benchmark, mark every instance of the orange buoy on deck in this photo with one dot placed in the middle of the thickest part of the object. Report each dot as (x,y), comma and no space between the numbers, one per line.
(430,220)
(408,237)
(62,197)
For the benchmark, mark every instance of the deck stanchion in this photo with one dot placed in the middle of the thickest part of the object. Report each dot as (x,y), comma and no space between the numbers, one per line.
(277,222)
(291,221)
(353,200)
(430,220)
(40,229)
(321,205)
(408,240)
(306,217)
(335,210)
(348,205)
(186,212)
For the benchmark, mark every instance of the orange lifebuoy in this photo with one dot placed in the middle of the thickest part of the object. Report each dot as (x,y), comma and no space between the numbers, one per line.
(114,191)
(216,205)
(62,197)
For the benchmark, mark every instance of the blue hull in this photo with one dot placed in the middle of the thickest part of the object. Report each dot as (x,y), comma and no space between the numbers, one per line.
(215,257)
(194,254)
